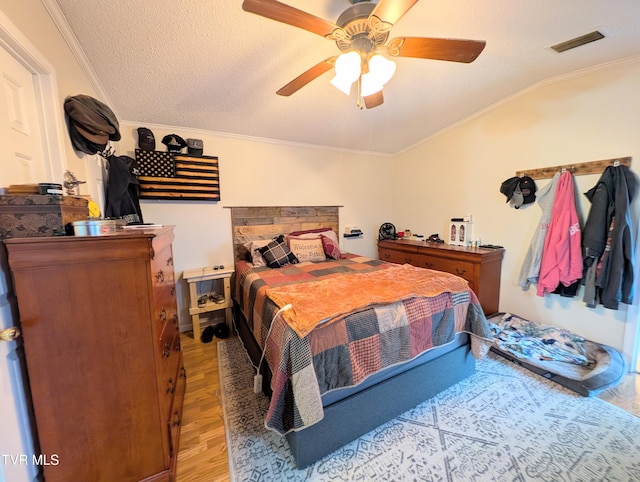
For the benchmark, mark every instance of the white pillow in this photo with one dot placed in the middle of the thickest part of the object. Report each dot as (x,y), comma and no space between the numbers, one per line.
(252,247)
(306,249)
(329,233)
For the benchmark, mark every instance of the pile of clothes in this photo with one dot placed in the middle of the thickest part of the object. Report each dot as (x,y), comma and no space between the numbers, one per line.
(557,354)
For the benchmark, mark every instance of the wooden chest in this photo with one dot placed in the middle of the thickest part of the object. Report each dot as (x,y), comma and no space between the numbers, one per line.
(26,216)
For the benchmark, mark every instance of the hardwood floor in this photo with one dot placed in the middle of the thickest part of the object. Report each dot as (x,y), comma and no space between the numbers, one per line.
(202,455)
(626,395)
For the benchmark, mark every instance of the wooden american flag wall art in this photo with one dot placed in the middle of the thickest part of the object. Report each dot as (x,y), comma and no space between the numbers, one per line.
(174,176)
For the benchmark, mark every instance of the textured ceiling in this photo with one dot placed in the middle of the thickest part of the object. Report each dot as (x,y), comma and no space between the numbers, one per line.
(209,65)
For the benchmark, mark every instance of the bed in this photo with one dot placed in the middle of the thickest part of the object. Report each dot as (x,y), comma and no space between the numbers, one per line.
(359,340)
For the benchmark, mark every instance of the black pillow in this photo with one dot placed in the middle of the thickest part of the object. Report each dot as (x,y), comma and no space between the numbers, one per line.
(277,254)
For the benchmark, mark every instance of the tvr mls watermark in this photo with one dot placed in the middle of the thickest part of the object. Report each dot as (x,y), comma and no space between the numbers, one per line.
(24,459)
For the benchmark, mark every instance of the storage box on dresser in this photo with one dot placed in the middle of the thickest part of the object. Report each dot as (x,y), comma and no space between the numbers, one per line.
(39,214)
(479,266)
(102,347)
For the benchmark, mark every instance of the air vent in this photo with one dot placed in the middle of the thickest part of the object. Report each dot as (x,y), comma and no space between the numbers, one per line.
(578,41)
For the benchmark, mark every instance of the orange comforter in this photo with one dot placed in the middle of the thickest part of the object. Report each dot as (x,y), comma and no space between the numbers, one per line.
(328,299)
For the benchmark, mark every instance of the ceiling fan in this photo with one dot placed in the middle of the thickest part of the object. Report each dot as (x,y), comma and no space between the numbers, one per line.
(361,33)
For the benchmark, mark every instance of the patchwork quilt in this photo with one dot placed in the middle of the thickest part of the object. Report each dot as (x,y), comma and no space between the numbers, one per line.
(353,345)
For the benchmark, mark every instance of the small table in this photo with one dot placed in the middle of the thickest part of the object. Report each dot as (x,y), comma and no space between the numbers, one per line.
(195,276)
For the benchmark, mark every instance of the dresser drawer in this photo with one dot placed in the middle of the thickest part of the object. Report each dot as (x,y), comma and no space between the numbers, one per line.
(166,342)
(170,376)
(459,268)
(164,306)
(162,269)
(399,257)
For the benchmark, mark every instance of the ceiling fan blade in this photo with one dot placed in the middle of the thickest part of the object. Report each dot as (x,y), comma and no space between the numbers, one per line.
(307,76)
(453,50)
(373,100)
(390,11)
(289,15)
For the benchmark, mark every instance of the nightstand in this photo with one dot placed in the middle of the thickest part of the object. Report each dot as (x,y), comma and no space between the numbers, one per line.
(195,276)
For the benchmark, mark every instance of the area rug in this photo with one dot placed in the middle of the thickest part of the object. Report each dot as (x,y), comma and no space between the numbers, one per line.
(504,423)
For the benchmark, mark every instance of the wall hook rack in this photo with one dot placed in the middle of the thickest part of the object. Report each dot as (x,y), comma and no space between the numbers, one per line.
(577,169)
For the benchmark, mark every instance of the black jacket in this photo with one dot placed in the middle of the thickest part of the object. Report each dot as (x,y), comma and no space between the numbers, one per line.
(123,190)
(607,243)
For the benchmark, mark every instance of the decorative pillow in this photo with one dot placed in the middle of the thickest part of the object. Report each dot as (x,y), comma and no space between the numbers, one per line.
(307,249)
(256,257)
(330,248)
(277,253)
(328,232)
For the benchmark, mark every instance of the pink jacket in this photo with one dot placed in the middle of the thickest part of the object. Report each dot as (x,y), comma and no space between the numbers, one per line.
(562,252)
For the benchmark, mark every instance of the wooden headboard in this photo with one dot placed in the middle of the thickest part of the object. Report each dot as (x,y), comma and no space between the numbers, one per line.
(264,222)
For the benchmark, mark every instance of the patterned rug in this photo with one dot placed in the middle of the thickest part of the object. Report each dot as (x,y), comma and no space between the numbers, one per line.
(503,423)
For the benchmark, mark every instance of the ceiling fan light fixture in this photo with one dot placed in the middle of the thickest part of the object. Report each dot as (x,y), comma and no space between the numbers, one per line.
(381,68)
(369,85)
(342,84)
(349,66)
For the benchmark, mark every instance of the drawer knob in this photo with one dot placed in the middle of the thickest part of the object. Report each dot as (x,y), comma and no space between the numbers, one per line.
(163,314)
(428,265)
(166,352)
(387,255)
(407,260)
(183,373)
(173,291)
(460,272)
(176,418)
(170,261)
(160,276)
(170,386)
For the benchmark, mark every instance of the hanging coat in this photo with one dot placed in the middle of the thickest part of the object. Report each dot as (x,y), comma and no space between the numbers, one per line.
(530,270)
(123,190)
(562,253)
(608,247)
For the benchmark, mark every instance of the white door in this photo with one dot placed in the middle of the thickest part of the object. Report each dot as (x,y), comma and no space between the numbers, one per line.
(21,146)
(21,161)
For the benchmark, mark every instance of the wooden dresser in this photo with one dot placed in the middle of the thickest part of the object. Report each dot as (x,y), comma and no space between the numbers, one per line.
(102,348)
(479,266)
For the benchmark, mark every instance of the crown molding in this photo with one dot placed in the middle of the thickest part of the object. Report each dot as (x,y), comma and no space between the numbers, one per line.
(70,38)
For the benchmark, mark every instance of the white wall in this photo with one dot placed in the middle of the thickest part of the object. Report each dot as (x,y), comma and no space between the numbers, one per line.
(586,117)
(261,173)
